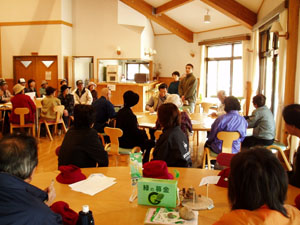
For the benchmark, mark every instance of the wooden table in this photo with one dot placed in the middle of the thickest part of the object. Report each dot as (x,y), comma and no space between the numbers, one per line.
(112,205)
(200,121)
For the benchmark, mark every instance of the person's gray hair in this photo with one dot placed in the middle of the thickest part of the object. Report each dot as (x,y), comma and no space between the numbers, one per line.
(175,99)
(18,155)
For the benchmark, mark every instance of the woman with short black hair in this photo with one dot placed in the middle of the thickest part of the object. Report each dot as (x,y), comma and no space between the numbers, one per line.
(81,145)
(172,145)
(257,189)
(291,115)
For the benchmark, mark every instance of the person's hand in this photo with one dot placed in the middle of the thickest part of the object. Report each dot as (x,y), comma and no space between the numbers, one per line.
(182,98)
(214,114)
(151,110)
(51,194)
(66,113)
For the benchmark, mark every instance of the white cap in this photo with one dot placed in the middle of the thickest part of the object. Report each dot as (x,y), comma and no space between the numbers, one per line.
(85,208)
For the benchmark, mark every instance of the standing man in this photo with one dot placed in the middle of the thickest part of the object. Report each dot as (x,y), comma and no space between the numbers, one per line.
(188,88)
(158,99)
(104,110)
(82,95)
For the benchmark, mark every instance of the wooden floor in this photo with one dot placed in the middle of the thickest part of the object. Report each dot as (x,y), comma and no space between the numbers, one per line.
(48,159)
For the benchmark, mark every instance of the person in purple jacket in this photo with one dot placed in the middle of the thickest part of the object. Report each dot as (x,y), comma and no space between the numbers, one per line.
(231,121)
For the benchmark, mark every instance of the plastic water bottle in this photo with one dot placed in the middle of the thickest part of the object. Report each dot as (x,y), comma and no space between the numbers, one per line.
(85,216)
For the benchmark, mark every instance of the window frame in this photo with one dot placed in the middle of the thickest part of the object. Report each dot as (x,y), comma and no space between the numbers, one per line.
(139,63)
(231,59)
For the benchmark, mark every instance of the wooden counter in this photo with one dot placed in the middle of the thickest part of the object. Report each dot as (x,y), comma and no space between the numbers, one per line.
(142,89)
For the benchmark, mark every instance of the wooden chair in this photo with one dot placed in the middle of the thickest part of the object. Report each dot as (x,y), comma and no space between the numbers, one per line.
(227,137)
(22,112)
(278,149)
(101,138)
(59,109)
(206,106)
(113,147)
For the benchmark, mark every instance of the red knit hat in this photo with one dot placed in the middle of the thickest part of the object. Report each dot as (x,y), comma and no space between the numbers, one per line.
(68,215)
(223,181)
(224,159)
(157,169)
(297,201)
(70,174)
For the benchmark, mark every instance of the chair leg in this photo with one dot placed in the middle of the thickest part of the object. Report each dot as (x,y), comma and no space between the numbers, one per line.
(39,130)
(48,131)
(55,129)
(33,130)
(197,138)
(204,159)
(64,126)
(11,128)
(208,159)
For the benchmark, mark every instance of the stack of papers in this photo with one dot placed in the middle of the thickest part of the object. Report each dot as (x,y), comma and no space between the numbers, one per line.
(95,183)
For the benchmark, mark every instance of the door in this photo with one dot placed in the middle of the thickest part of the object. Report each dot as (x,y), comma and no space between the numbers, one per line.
(38,68)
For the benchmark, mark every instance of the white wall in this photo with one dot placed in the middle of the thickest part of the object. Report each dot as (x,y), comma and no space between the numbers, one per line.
(267,7)
(174,52)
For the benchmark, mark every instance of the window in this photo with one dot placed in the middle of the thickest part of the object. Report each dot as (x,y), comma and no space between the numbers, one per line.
(268,64)
(224,69)
(133,68)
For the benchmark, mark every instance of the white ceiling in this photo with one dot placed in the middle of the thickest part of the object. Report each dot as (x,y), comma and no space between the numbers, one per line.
(191,15)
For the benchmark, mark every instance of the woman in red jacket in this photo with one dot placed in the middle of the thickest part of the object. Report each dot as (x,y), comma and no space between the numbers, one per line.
(20,100)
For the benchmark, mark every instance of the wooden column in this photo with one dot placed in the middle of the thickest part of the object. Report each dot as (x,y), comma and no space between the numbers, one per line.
(291,58)
(0,55)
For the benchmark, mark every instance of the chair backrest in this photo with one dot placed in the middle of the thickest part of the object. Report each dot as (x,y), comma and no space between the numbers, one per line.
(151,154)
(206,106)
(228,137)
(59,109)
(114,134)
(157,134)
(21,112)
(288,165)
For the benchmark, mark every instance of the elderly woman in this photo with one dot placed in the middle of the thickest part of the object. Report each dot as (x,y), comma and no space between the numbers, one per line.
(48,104)
(172,145)
(257,189)
(92,88)
(186,123)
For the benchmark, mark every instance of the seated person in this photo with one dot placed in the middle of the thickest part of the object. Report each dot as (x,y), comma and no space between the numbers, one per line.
(257,189)
(31,87)
(22,203)
(127,122)
(20,100)
(172,145)
(67,100)
(291,115)
(82,95)
(220,110)
(81,146)
(5,94)
(262,121)
(22,81)
(44,85)
(48,104)
(173,87)
(231,121)
(92,88)
(158,99)
(104,110)
(186,123)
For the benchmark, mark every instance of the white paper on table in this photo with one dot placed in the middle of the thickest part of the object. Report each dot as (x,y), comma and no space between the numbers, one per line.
(31,95)
(95,183)
(139,116)
(209,180)
(147,125)
(153,113)
(196,122)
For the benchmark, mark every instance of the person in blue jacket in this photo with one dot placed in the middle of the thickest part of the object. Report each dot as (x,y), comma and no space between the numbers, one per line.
(22,203)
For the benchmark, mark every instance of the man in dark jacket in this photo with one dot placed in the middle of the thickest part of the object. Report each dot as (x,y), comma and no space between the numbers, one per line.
(67,100)
(21,203)
(104,110)
(172,145)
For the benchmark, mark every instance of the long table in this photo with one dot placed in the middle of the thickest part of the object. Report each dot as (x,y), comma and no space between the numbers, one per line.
(200,121)
(112,205)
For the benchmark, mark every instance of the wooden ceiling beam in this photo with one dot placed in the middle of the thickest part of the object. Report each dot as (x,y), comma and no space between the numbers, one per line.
(235,11)
(171,5)
(162,19)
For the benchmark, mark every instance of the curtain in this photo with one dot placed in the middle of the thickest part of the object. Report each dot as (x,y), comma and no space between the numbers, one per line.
(281,81)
